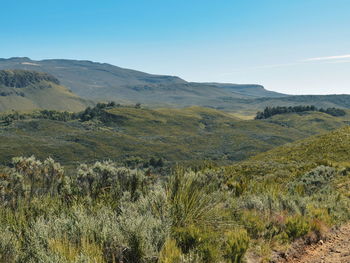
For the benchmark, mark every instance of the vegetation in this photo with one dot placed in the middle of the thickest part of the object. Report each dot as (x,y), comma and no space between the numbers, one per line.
(133,136)
(129,184)
(271,111)
(97,112)
(107,213)
(23,78)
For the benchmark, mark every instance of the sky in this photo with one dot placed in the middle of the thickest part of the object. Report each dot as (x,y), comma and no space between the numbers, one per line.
(289,46)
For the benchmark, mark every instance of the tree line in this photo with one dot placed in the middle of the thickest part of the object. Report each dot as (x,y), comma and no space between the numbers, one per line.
(97,112)
(271,111)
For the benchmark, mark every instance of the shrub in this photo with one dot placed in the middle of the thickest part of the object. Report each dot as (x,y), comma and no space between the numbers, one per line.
(194,203)
(314,181)
(254,223)
(104,178)
(86,251)
(9,246)
(204,242)
(236,245)
(170,253)
(30,177)
(297,226)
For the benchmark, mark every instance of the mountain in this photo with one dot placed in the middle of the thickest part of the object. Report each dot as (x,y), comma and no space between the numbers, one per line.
(101,81)
(27,90)
(177,135)
(105,82)
(251,90)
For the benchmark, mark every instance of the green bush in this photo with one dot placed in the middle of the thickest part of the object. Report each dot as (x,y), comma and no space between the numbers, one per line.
(170,253)
(314,181)
(106,178)
(297,226)
(236,245)
(9,246)
(194,202)
(204,242)
(254,223)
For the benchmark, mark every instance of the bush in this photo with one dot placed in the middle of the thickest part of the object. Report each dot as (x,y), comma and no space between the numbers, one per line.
(30,177)
(205,243)
(170,253)
(297,226)
(9,246)
(105,178)
(193,202)
(22,78)
(254,223)
(236,245)
(314,181)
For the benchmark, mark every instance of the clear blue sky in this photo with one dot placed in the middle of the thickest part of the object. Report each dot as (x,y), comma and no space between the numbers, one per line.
(291,46)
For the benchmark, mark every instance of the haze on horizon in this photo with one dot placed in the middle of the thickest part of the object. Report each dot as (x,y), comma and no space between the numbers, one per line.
(294,47)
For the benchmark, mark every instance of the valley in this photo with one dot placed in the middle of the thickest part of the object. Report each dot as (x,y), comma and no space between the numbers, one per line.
(186,135)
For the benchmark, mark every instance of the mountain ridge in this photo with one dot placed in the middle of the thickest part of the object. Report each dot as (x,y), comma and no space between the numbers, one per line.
(105,82)
(87,78)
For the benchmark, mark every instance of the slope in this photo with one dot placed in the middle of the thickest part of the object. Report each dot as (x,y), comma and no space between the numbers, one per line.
(293,193)
(293,159)
(27,90)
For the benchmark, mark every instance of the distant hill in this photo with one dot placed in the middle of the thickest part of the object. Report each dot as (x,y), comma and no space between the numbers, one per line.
(27,90)
(103,81)
(251,90)
(251,106)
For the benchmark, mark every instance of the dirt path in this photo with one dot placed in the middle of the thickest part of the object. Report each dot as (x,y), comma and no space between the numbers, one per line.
(335,250)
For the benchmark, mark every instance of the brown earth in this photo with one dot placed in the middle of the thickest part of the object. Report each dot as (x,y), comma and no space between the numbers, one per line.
(335,249)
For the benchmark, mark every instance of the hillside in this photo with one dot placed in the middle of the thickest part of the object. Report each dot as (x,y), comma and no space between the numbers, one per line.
(297,190)
(177,135)
(294,159)
(333,147)
(103,81)
(27,90)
